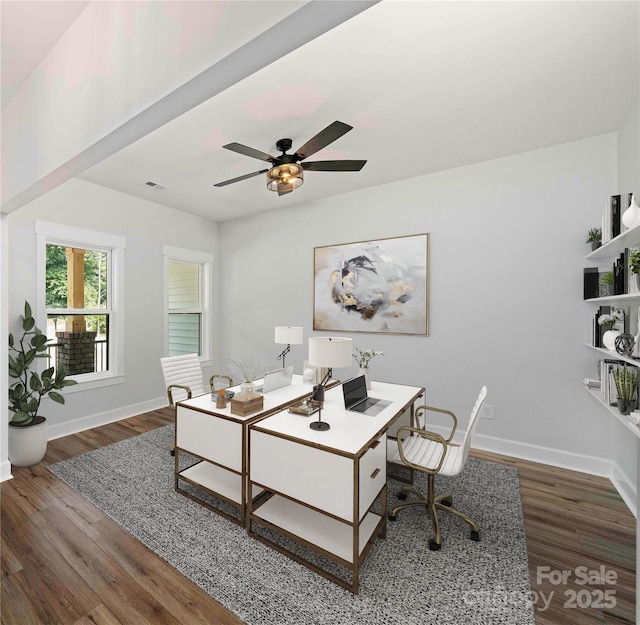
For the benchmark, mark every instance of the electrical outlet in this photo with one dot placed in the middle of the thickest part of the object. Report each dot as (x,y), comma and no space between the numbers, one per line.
(487,412)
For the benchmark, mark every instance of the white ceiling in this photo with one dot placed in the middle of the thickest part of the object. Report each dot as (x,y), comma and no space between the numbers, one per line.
(426,85)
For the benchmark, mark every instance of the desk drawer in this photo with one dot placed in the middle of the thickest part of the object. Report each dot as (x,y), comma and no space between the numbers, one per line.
(373,474)
(210,437)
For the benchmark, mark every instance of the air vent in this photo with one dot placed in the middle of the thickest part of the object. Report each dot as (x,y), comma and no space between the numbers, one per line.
(155,185)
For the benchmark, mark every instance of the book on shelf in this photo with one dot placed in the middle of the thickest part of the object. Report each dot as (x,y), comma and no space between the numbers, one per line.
(606,223)
(616,215)
(591,282)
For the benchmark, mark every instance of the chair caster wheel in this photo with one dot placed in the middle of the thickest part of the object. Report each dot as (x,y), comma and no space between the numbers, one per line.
(401,495)
(447,502)
(173,452)
(433,545)
(392,517)
(475,536)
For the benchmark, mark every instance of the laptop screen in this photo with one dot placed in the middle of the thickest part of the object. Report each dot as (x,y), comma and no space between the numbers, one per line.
(354,390)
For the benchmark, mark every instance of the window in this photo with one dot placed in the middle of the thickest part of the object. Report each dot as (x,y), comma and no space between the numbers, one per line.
(79,300)
(185,310)
(187,281)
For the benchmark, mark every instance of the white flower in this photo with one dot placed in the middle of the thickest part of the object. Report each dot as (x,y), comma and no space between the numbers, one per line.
(363,357)
(610,321)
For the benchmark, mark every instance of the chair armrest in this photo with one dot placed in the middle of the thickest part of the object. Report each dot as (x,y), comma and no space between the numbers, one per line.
(170,394)
(442,411)
(212,379)
(425,434)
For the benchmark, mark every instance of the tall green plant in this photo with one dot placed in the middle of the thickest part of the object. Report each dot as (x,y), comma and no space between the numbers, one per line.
(626,380)
(27,392)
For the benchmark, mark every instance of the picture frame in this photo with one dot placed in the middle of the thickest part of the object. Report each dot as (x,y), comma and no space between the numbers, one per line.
(379,286)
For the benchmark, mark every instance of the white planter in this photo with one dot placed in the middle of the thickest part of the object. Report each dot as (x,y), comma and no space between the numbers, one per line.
(246,388)
(27,445)
(367,376)
(609,339)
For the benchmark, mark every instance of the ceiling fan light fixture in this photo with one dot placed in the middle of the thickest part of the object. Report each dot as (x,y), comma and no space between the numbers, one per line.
(287,175)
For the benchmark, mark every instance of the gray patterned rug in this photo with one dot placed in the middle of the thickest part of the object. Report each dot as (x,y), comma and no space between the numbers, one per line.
(401,581)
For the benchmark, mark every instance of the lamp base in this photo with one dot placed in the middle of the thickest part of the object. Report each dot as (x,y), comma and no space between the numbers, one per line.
(319,425)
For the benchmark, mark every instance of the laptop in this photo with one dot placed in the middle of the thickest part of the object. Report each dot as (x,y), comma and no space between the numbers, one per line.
(276,379)
(356,398)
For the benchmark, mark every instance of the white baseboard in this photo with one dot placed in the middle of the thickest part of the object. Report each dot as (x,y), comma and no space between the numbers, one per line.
(625,487)
(5,471)
(80,425)
(564,460)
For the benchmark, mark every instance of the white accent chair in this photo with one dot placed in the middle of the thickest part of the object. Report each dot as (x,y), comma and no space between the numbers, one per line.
(183,378)
(431,453)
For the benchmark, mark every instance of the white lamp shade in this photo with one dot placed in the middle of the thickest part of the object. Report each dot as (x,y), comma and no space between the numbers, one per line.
(286,335)
(330,351)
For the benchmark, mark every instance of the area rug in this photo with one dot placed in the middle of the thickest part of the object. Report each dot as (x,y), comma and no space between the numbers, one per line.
(401,581)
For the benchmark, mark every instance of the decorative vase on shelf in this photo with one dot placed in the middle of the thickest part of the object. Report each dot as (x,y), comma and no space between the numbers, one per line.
(609,339)
(367,377)
(631,217)
(625,406)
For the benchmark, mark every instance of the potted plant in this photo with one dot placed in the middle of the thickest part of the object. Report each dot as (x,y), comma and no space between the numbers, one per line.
(594,236)
(27,428)
(363,358)
(606,284)
(249,370)
(626,379)
(634,264)
(613,323)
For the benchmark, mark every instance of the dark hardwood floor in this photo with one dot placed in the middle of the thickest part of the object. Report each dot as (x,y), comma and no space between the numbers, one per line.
(65,563)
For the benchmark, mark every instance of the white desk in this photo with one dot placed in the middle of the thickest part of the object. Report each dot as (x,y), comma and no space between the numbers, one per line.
(323,484)
(218,439)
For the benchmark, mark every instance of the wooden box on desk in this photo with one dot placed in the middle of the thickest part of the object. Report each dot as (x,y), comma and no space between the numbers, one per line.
(249,403)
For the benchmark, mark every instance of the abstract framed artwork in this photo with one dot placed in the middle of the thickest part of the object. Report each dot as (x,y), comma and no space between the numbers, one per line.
(379,286)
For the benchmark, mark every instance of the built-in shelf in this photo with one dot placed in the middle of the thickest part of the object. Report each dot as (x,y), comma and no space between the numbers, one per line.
(609,353)
(624,419)
(614,298)
(629,238)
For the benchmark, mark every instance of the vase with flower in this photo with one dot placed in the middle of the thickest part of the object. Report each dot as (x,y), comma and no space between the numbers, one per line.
(613,324)
(363,357)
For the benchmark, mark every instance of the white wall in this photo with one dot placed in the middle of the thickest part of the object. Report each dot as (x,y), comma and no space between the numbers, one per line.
(5,467)
(506,301)
(147,227)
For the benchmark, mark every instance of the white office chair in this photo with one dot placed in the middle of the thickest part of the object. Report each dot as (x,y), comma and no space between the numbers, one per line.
(183,378)
(432,454)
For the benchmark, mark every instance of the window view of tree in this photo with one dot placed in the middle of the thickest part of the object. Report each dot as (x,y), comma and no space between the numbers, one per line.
(76,280)
(95,284)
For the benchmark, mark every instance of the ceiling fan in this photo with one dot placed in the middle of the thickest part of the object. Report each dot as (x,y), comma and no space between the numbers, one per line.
(286,171)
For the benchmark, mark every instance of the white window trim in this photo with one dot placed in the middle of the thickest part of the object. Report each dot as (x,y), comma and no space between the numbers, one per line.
(205,260)
(58,234)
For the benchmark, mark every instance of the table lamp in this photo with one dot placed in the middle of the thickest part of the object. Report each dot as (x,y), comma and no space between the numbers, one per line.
(288,335)
(329,352)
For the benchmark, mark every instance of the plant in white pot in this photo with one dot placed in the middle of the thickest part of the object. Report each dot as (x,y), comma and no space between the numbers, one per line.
(27,428)
(363,358)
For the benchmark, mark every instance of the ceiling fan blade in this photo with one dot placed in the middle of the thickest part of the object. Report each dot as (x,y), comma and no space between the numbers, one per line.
(284,188)
(247,151)
(333,165)
(323,138)
(239,178)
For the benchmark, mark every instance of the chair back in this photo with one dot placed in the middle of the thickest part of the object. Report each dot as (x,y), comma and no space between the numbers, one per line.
(184,370)
(473,422)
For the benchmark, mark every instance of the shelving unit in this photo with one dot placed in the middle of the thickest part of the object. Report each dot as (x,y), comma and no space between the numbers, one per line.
(629,238)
